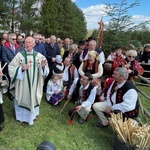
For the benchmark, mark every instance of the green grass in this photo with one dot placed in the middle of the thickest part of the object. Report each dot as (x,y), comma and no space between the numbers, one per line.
(54,127)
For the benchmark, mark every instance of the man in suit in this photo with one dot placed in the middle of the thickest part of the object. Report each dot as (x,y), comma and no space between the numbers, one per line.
(52,50)
(39,47)
(9,50)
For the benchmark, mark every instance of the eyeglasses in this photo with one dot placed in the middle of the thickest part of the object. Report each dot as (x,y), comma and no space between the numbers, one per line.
(14,39)
(131,56)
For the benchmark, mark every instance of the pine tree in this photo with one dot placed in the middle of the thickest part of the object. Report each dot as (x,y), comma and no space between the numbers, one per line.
(63,18)
(49,18)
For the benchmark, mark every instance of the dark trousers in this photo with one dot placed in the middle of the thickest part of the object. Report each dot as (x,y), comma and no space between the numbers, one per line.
(1,114)
(47,79)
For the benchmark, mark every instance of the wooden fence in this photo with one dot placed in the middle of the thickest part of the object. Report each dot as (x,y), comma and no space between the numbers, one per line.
(144,81)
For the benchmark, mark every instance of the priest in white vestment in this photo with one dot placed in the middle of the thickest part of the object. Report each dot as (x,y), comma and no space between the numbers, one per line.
(28,70)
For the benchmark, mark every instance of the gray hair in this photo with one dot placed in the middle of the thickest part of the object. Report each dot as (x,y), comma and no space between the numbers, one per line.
(10,35)
(93,41)
(123,72)
(53,37)
(31,38)
(131,53)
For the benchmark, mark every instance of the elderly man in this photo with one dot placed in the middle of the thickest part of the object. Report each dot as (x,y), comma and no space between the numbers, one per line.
(9,50)
(92,46)
(52,50)
(85,93)
(27,71)
(67,43)
(121,97)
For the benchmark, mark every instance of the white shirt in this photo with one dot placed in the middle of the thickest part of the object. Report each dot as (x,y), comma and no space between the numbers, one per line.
(52,88)
(102,57)
(73,86)
(90,100)
(86,56)
(65,73)
(129,99)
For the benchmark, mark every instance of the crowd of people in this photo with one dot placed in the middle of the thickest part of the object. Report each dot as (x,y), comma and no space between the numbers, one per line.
(65,70)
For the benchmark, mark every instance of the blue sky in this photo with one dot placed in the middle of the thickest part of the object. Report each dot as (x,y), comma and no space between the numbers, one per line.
(92,11)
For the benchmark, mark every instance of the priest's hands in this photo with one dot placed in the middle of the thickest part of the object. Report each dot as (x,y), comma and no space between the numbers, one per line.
(1,73)
(25,67)
(43,63)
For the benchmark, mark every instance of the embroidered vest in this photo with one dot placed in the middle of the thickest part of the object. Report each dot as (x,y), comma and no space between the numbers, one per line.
(119,98)
(70,73)
(93,69)
(87,92)
(56,70)
(85,51)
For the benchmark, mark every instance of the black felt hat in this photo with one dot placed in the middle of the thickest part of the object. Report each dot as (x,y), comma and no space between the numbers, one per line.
(82,42)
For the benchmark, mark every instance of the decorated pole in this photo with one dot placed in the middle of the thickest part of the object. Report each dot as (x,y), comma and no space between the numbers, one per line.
(101,33)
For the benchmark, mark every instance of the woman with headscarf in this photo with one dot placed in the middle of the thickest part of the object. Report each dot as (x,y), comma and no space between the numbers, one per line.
(133,66)
(92,65)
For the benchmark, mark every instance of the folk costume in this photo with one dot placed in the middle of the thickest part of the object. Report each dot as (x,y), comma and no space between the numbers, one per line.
(28,84)
(136,69)
(69,74)
(86,97)
(51,97)
(120,97)
(84,55)
(58,69)
(95,68)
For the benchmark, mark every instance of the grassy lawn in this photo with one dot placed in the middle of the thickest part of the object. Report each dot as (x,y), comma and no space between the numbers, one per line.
(54,127)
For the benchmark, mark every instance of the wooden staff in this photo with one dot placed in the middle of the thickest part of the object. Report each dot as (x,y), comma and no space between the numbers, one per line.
(64,106)
(4,66)
(101,32)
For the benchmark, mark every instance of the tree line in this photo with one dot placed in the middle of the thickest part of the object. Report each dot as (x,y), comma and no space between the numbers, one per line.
(64,19)
(48,17)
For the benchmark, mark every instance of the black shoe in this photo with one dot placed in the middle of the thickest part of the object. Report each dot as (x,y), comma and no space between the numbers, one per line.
(81,120)
(10,96)
(99,125)
(1,128)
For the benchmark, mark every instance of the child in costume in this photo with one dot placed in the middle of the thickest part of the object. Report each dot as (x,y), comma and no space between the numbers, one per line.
(54,94)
